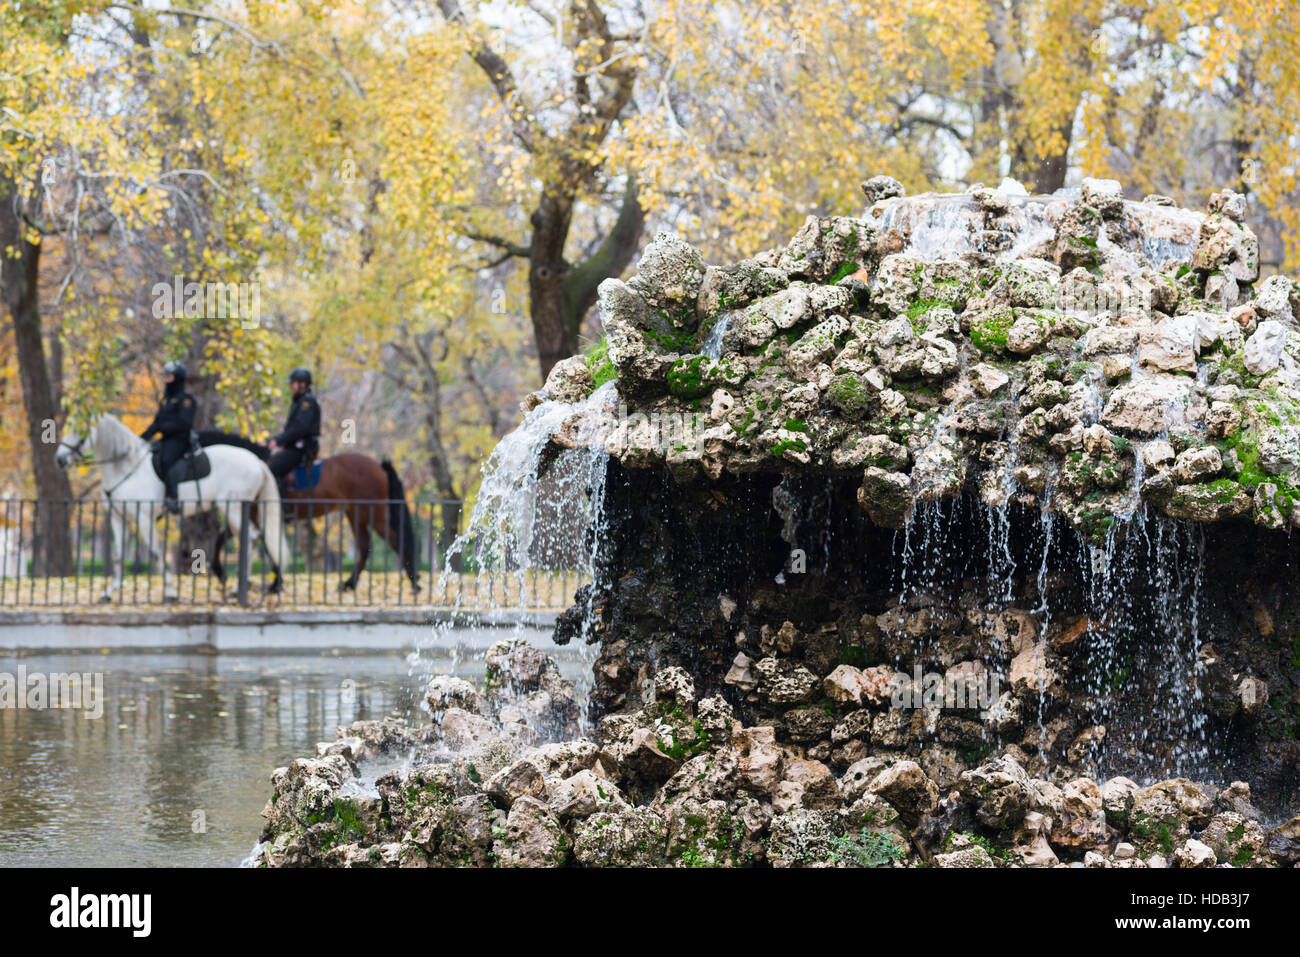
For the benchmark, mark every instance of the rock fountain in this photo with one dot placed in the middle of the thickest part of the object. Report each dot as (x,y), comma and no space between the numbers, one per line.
(957,532)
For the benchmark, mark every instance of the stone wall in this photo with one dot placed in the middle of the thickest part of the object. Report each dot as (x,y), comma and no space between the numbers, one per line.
(953,534)
(1034,433)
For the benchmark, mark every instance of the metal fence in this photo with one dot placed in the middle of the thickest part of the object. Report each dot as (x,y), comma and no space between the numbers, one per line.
(64,553)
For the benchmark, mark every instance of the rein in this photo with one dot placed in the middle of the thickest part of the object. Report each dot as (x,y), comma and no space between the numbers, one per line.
(108,492)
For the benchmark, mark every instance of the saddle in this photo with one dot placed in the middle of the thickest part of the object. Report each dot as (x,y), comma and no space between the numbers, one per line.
(305,477)
(190,467)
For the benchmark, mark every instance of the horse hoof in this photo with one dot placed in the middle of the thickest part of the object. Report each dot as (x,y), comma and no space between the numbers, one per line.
(347,586)
(171,599)
(105,599)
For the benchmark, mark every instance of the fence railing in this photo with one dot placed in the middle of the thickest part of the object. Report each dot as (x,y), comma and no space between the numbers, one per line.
(71,553)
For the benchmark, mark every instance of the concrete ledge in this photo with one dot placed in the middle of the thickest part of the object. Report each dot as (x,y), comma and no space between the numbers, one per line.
(361,630)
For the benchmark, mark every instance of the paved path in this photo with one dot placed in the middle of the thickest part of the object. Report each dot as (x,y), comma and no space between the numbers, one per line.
(271,630)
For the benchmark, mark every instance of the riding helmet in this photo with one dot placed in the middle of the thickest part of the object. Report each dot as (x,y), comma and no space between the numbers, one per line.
(175,368)
(300,375)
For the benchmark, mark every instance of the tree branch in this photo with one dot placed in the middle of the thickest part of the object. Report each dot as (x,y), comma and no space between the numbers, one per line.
(201,15)
(500,76)
(511,249)
(610,258)
(610,66)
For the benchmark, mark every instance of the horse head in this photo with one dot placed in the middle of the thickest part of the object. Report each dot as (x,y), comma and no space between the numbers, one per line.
(107,438)
(72,448)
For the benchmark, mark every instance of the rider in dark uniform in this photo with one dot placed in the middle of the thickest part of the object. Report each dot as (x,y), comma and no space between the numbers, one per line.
(173,425)
(299,441)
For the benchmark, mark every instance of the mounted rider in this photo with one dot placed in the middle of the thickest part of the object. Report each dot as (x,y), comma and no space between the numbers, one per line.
(299,442)
(174,426)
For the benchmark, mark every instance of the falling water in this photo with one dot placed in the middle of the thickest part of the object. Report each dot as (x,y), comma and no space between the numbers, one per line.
(952,225)
(1138,591)
(540,507)
(712,345)
(506,529)
(1144,590)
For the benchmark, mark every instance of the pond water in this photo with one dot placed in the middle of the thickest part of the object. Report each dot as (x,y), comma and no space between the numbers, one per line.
(177,769)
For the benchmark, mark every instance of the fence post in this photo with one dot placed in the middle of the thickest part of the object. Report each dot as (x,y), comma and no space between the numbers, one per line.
(245,562)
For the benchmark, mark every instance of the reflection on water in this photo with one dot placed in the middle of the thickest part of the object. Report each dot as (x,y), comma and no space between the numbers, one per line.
(177,770)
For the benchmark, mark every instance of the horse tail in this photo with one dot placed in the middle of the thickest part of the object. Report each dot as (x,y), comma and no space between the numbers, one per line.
(399,517)
(272,523)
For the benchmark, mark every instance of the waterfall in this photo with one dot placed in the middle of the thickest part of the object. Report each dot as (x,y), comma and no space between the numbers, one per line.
(1145,593)
(505,528)
(1123,615)
(712,345)
(540,507)
(951,225)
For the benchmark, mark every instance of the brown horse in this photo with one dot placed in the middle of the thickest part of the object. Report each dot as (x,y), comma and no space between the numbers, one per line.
(368,492)
(372,499)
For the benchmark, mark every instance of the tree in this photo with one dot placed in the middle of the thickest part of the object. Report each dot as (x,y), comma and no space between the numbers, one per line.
(756,114)
(761,112)
(1041,64)
(1195,96)
(360,165)
(381,170)
(19,277)
(62,174)
(565,145)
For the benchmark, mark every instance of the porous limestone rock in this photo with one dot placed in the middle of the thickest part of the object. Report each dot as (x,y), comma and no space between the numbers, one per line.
(955,440)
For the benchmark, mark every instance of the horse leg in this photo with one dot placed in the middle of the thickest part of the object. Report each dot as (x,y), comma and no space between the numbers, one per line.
(411,555)
(270,515)
(360,534)
(277,582)
(117,522)
(157,545)
(218,565)
(233,517)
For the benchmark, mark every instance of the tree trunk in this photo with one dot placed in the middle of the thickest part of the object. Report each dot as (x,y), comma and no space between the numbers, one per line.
(997,100)
(445,484)
(56,367)
(420,354)
(207,400)
(451,511)
(546,271)
(1050,174)
(610,259)
(19,277)
(561,295)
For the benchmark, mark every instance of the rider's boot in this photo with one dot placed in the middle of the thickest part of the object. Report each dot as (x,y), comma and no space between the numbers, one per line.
(170,504)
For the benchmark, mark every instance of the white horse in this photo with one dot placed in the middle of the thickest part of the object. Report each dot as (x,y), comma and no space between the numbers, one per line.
(237,475)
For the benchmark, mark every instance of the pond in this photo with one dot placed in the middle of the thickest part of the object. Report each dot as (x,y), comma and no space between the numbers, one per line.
(176,770)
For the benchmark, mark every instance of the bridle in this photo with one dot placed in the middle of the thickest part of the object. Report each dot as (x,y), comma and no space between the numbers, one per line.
(80,457)
(75,449)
